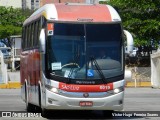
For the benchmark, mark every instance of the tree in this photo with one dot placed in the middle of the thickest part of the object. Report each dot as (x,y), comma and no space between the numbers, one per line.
(11,21)
(141,18)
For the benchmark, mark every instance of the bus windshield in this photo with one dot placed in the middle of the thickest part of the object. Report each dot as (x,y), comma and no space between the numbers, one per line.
(85,51)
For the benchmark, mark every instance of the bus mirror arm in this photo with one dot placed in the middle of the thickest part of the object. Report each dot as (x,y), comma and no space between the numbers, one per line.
(130,42)
(42,41)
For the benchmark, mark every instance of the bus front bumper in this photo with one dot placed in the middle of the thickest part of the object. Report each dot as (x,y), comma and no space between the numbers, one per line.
(59,102)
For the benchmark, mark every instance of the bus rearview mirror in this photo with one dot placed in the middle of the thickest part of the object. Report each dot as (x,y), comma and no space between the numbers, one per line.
(130,43)
(42,41)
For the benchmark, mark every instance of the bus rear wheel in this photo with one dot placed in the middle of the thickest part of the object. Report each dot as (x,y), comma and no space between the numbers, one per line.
(29,106)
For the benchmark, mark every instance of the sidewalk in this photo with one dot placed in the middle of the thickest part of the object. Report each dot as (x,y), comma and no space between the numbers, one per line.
(13,80)
(141,77)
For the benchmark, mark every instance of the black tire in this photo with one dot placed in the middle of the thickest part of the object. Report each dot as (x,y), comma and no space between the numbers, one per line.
(45,113)
(29,106)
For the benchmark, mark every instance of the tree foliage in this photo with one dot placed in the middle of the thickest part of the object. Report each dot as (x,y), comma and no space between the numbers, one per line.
(141,18)
(11,21)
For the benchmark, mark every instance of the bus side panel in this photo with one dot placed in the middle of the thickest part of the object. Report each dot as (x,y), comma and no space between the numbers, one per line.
(23,72)
(33,71)
(36,71)
(30,71)
(30,77)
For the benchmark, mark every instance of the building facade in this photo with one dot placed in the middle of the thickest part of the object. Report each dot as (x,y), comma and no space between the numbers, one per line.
(30,4)
(24,4)
(35,4)
(11,3)
(43,2)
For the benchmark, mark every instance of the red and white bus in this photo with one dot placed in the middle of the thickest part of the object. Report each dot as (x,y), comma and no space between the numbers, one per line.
(60,65)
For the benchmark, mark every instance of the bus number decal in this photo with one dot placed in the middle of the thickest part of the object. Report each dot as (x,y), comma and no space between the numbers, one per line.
(50,29)
(106,87)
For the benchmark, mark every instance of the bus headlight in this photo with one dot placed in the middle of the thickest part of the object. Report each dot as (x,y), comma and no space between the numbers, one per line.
(55,90)
(52,89)
(116,90)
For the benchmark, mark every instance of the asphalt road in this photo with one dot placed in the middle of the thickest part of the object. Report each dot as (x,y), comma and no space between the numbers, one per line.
(141,102)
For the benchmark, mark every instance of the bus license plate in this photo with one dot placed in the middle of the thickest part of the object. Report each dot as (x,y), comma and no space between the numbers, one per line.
(85,103)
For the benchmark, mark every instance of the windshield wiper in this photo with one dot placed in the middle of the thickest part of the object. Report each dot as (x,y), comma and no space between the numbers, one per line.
(77,56)
(93,60)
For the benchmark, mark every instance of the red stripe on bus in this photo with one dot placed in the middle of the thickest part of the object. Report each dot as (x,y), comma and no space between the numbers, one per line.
(99,13)
(85,88)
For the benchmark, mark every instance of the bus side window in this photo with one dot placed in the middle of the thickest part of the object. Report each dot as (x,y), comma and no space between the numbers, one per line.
(29,38)
(26,36)
(32,35)
(37,32)
(23,37)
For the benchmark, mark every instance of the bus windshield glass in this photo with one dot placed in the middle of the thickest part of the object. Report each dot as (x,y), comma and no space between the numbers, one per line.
(85,51)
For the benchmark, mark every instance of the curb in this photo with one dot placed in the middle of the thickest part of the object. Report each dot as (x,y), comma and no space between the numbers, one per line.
(11,85)
(14,85)
(138,84)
